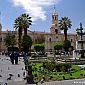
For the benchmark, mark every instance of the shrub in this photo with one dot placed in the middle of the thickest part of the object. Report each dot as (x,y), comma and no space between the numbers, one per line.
(58,46)
(63,67)
(35,74)
(39,47)
(66,45)
(51,65)
(48,64)
(26,42)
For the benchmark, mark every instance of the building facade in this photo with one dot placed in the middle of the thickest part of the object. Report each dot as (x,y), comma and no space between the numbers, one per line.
(55,35)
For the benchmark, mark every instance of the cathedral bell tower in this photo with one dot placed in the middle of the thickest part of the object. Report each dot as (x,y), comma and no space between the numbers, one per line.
(54,28)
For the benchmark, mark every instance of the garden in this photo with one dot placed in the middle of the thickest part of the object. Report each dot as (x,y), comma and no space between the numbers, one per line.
(52,71)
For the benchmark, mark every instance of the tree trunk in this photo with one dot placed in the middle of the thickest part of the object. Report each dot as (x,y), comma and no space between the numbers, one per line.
(25,31)
(65,34)
(19,40)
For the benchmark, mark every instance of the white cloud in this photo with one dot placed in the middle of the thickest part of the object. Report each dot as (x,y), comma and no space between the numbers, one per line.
(35,7)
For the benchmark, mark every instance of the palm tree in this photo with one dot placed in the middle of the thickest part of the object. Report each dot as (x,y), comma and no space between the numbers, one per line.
(18,25)
(26,22)
(22,23)
(64,24)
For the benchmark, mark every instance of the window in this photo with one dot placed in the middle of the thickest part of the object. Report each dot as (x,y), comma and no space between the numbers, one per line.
(54,17)
(56,36)
(50,39)
(56,30)
(0,39)
(71,40)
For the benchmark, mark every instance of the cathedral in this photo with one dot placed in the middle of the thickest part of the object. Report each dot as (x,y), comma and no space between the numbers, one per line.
(54,36)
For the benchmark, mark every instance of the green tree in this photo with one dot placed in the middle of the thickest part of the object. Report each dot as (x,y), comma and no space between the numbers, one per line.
(22,23)
(26,22)
(39,47)
(26,42)
(58,46)
(64,24)
(18,25)
(10,40)
(66,45)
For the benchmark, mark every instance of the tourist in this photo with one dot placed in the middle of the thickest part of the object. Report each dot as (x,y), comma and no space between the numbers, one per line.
(12,57)
(16,54)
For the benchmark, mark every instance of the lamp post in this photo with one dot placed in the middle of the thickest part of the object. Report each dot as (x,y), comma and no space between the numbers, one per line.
(81,41)
(28,68)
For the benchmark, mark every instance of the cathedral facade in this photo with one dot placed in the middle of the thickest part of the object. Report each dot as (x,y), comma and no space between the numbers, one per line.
(55,35)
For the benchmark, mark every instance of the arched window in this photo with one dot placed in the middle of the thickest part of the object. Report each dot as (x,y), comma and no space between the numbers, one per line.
(71,40)
(0,39)
(56,31)
(50,39)
(55,17)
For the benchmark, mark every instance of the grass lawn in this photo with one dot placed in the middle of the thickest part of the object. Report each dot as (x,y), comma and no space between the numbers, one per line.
(38,73)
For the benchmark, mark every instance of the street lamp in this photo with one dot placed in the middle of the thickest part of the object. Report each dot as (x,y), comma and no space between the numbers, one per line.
(81,41)
(28,68)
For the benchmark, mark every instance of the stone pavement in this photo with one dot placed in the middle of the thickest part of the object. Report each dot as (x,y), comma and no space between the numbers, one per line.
(67,82)
(7,68)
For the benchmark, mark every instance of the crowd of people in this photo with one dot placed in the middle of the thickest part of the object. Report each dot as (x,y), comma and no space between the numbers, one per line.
(14,57)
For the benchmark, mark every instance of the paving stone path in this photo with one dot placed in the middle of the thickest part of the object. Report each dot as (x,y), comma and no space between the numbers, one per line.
(16,73)
(11,73)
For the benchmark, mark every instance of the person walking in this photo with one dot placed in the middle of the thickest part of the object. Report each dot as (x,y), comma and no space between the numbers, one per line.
(5,84)
(16,54)
(12,57)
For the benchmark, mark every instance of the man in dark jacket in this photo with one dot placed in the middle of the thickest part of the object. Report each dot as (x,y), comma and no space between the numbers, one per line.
(12,57)
(16,54)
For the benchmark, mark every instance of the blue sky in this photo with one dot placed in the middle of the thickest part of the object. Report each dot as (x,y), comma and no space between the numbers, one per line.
(41,11)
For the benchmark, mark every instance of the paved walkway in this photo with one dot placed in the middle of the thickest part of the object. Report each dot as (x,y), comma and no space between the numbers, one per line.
(7,68)
(67,82)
